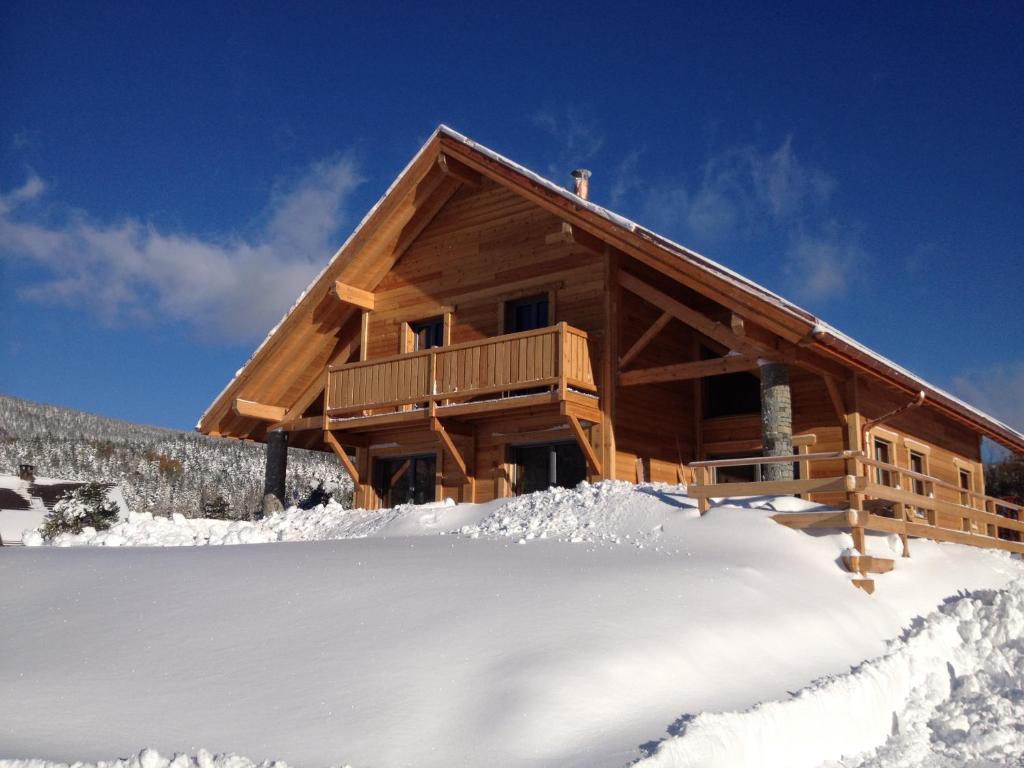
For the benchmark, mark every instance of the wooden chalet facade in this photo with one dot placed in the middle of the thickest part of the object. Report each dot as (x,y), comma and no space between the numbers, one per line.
(485,332)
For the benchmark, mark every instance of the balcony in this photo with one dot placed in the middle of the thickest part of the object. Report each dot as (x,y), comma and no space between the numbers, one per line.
(541,366)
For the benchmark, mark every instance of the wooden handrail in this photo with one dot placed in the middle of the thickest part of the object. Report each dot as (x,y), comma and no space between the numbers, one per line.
(743,461)
(983,516)
(553,357)
(461,345)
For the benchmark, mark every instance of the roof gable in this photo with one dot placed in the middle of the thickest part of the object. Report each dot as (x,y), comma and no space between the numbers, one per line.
(284,367)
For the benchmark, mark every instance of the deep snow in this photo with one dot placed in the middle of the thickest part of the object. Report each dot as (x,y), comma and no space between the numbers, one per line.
(501,642)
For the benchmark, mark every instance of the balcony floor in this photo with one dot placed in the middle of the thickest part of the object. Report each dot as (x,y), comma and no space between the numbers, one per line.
(584,405)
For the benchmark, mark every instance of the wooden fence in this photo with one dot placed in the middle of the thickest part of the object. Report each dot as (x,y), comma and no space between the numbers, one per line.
(882,497)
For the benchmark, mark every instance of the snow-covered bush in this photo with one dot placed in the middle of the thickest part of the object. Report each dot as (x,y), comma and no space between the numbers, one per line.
(85,506)
(315,497)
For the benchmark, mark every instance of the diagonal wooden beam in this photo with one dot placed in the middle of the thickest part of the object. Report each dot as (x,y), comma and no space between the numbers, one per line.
(399,472)
(349,294)
(837,398)
(457,170)
(308,396)
(688,371)
(581,437)
(691,317)
(258,410)
(646,338)
(346,462)
(438,428)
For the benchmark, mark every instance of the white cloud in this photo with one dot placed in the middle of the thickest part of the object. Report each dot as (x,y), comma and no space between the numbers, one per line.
(820,267)
(746,193)
(226,289)
(576,136)
(998,390)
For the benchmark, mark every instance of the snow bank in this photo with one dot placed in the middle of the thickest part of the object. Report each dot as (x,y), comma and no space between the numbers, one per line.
(603,512)
(949,692)
(150,758)
(566,628)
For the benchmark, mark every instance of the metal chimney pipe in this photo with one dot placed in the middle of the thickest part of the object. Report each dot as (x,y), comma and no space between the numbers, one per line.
(582,178)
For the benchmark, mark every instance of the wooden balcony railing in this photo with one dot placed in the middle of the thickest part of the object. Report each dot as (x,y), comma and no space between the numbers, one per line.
(556,358)
(892,506)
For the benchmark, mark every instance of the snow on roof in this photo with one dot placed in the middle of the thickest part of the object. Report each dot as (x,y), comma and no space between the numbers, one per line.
(723,272)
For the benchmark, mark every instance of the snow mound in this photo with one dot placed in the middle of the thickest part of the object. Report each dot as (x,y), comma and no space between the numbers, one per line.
(605,511)
(950,692)
(322,523)
(150,758)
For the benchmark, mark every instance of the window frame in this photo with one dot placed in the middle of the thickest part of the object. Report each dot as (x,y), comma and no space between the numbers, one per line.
(407,334)
(524,297)
(883,476)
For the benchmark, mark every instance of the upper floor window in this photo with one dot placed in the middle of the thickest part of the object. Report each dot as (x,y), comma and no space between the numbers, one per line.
(427,334)
(527,314)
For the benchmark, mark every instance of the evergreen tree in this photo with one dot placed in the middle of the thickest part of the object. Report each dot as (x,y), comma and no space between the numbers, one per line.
(85,506)
(216,508)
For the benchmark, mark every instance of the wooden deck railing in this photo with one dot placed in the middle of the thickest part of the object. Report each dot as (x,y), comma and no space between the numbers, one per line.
(885,506)
(556,357)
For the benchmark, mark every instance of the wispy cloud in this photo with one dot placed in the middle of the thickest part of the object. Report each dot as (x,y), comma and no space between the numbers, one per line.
(576,136)
(998,389)
(230,288)
(748,193)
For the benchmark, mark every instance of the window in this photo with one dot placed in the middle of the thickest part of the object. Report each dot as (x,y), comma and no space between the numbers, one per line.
(542,466)
(966,484)
(732,394)
(405,480)
(919,464)
(527,314)
(427,334)
(883,453)
(743,474)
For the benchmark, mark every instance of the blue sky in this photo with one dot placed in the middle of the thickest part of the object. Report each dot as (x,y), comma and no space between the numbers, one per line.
(172,175)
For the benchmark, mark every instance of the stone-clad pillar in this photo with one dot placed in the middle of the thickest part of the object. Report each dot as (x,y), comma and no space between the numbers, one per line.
(276,471)
(776,420)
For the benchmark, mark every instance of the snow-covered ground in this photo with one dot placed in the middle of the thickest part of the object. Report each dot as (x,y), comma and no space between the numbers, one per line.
(592,627)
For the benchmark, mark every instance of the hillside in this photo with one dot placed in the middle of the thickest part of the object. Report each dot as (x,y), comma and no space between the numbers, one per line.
(160,471)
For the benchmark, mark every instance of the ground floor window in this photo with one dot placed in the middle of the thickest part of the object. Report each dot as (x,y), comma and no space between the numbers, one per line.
(537,467)
(883,454)
(405,479)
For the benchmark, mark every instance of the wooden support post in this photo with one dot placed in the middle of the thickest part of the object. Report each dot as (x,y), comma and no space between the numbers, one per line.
(276,472)
(606,375)
(346,462)
(438,428)
(852,441)
(584,442)
(776,420)
(858,539)
(701,477)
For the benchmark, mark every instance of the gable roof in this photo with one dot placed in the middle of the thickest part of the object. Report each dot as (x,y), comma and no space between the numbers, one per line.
(420,190)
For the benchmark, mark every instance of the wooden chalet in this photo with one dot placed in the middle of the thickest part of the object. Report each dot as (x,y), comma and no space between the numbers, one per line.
(485,332)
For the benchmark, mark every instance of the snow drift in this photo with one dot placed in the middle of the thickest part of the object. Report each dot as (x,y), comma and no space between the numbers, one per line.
(566,628)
